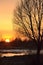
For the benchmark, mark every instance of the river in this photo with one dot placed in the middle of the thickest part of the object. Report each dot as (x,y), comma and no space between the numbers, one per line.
(17,52)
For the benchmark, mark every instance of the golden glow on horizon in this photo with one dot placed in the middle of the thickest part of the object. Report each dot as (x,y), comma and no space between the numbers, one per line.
(7,37)
(7,40)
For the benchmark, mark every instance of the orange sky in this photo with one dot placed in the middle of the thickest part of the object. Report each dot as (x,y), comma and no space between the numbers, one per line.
(6,15)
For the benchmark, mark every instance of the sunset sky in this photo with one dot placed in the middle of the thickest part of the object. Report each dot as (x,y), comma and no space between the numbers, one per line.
(6,15)
(7,8)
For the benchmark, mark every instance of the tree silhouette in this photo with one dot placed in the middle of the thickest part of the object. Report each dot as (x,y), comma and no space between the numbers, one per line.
(28,18)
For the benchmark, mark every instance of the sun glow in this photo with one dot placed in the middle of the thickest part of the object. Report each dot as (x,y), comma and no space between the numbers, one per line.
(8,37)
(7,40)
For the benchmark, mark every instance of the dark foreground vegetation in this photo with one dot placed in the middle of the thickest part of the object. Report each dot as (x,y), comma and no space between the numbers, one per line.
(22,60)
(19,44)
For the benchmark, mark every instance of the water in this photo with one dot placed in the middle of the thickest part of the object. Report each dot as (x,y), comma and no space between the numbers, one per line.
(17,52)
(12,52)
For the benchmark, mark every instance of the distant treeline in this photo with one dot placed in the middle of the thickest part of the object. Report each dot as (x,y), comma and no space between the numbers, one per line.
(19,44)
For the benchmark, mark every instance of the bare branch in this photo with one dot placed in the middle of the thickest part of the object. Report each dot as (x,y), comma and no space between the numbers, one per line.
(33,11)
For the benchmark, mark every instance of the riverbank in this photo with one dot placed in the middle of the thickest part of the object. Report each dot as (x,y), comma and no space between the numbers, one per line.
(22,60)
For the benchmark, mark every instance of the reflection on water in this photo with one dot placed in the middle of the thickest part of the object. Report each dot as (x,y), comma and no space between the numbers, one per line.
(10,53)
(17,52)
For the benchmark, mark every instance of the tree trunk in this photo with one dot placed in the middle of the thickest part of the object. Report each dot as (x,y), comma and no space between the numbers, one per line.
(38,53)
(38,48)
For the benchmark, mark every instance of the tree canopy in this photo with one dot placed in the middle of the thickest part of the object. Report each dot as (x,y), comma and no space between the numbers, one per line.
(29,18)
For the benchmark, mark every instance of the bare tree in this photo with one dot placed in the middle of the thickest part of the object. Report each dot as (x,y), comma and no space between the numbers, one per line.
(29,18)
